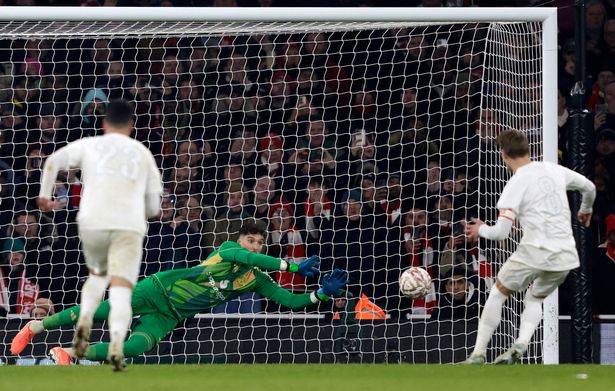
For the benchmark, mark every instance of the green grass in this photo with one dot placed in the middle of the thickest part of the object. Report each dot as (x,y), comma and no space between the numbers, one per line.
(309,377)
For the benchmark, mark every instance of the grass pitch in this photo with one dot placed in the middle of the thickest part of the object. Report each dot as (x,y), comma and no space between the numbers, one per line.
(299,377)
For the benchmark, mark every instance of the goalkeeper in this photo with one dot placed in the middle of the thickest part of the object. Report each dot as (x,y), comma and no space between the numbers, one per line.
(166,298)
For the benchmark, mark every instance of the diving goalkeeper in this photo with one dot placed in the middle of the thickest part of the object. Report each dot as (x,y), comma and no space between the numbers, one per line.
(166,298)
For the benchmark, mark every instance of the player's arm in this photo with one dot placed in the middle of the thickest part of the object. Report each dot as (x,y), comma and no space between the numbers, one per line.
(62,159)
(331,283)
(500,229)
(577,182)
(153,189)
(307,268)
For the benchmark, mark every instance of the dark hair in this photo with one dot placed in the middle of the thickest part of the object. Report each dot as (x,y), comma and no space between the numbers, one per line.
(119,113)
(514,143)
(251,227)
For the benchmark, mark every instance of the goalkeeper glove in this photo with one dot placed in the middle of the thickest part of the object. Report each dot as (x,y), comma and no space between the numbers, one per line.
(331,283)
(307,268)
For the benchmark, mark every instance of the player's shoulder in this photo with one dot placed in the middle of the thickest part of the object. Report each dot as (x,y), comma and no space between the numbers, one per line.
(228,244)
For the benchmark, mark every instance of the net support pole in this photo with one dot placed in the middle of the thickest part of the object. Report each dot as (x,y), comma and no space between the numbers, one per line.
(580,160)
(549,107)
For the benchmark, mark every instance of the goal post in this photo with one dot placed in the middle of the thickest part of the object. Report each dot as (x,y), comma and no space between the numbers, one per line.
(517,86)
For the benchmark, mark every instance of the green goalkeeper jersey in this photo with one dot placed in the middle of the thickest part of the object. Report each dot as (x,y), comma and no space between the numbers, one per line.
(227,273)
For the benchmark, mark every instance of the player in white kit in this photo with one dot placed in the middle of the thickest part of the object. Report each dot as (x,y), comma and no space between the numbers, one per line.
(121,189)
(536,196)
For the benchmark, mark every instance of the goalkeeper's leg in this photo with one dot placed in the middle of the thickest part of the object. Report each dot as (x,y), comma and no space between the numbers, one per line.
(149,330)
(68,317)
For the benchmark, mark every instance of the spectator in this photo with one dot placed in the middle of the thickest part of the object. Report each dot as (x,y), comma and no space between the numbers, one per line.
(18,288)
(361,160)
(605,118)
(170,243)
(229,220)
(609,40)
(349,244)
(242,151)
(271,162)
(368,193)
(51,132)
(317,212)
(418,253)
(13,135)
(264,196)
(417,244)
(285,242)
(42,308)
(605,76)
(315,153)
(563,128)
(459,296)
(603,269)
(87,119)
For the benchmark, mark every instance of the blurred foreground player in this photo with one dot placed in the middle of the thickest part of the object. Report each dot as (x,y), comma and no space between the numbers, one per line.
(166,298)
(111,227)
(536,196)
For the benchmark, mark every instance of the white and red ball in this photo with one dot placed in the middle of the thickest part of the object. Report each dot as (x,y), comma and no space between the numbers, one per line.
(415,283)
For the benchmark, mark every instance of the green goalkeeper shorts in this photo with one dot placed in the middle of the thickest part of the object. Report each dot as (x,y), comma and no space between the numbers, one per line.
(156,319)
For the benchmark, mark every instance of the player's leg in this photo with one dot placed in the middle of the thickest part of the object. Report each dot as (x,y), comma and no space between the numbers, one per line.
(95,246)
(68,317)
(124,260)
(513,277)
(148,331)
(543,286)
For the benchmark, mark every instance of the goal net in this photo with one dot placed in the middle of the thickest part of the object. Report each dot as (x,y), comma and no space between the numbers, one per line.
(366,143)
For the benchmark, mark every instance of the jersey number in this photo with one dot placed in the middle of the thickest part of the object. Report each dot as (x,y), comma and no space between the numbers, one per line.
(128,167)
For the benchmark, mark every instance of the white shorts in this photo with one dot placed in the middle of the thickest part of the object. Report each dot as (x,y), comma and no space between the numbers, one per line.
(517,276)
(117,253)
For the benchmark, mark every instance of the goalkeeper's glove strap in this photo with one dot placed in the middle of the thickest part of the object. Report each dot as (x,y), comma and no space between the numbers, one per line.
(288,266)
(293,267)
(318,296)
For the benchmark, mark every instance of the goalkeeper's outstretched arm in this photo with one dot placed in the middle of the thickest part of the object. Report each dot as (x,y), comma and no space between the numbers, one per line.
(307,268)
(331,283)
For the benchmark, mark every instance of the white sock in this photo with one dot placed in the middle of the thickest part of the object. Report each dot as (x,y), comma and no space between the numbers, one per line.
(489,320)
(120,314)
(91,296)
(36,326)
(530,318)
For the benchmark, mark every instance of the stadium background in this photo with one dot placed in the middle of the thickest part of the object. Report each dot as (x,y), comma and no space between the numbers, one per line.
(220,114)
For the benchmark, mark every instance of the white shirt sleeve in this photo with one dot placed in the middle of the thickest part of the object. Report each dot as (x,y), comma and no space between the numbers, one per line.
(153,189)
(576,181)
(63,159)
(499,231)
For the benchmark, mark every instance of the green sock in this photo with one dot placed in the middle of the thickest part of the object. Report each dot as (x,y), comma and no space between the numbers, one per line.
(68,317)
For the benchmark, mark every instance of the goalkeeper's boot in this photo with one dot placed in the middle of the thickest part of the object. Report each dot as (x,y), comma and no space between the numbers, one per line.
(23,338)
(512,355)
(81,339)
(116,356)
(60,356)
(475,359)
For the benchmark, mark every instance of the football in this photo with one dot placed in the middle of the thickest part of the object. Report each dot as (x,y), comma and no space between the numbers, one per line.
(414,283)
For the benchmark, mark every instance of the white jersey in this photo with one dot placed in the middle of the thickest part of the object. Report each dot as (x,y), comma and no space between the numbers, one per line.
(118,175)
(536,196)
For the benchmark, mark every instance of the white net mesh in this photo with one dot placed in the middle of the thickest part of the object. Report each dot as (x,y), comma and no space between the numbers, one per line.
(364,143)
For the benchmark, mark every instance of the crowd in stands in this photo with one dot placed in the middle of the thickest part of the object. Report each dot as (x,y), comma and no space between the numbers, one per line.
(362,147)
